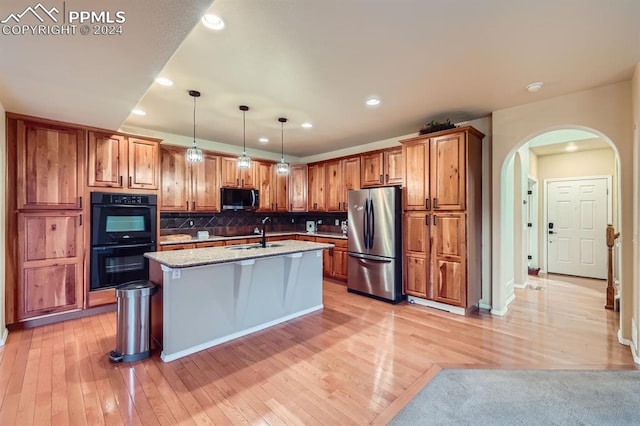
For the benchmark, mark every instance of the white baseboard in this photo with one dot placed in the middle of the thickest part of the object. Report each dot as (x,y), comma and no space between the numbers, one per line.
(627,342)
(503,312)
(441,306)
(5,334)
(482,305)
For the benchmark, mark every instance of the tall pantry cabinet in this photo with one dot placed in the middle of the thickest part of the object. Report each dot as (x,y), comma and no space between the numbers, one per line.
(443,219)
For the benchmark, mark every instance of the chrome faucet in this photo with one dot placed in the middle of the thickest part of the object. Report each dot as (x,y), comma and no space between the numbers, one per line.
(264,233)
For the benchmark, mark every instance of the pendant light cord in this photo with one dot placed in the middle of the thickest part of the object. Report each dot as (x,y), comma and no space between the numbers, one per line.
(244,133)
(194,121)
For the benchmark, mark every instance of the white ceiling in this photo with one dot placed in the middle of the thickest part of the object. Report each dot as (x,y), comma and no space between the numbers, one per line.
(318,61)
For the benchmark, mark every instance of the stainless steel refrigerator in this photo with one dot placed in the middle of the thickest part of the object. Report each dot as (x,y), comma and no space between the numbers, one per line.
(374,244)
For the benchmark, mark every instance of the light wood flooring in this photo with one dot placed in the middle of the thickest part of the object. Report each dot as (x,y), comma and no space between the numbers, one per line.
(358,361)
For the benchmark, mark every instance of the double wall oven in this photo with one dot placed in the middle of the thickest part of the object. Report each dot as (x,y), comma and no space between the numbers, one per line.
(123,228)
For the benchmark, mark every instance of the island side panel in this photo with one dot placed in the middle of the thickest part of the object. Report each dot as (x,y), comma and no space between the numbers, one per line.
(156,277)
(212,304)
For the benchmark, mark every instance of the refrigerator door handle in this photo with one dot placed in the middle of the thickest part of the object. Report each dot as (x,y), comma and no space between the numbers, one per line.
(365,219)
(373,259)
(372,224)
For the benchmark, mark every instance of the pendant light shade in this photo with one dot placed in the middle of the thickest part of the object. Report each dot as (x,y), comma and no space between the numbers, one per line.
(194,154)
(244,162)
(282,168)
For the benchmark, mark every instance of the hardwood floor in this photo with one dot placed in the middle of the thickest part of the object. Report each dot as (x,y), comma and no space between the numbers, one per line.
(358,361)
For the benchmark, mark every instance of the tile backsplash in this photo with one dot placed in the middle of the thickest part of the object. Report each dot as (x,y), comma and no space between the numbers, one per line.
(244,222)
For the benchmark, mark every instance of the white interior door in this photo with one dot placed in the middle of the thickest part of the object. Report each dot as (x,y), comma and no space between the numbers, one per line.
(576,227)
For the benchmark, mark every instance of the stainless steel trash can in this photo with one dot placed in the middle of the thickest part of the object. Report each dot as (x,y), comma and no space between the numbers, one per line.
(132,333)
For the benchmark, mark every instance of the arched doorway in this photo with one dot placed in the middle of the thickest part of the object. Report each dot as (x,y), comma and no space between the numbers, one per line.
(593,153)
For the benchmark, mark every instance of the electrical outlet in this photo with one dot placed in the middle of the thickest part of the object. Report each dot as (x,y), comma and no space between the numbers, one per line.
(337,222)
(191,223)
(320,222)
(293,220)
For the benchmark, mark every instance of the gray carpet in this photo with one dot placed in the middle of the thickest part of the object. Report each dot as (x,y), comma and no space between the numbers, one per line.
(526,397)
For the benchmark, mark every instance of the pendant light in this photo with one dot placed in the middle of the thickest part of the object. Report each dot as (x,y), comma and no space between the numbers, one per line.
(194,154)
(282,168)
(244,162)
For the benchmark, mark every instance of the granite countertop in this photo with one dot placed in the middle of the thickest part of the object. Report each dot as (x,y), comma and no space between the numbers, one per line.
(212,255)
(190,239)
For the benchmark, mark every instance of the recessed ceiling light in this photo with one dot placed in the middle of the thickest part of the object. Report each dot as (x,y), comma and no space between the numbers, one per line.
(164,81)
(373,102)
(212,21)
(138,111)
(263,140)
(307,125)
(534,87)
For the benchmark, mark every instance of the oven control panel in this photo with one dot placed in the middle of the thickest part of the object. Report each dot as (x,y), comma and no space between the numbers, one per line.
(122,199)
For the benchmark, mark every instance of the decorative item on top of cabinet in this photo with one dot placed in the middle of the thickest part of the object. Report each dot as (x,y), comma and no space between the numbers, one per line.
(120,161)
(188,186)
(234,177)
(316,187)
(50,263)
(380,168)
(341,176)
(273,188)
(298,188)
(49,165)
(443,218)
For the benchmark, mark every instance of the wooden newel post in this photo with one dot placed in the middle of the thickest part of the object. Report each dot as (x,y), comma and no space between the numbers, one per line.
(611,291)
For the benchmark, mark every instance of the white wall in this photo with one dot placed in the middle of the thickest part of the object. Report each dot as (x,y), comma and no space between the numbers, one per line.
(635,96)
(3,173)
(605,111)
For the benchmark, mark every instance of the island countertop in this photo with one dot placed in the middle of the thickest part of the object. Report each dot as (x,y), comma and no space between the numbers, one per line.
(211,255)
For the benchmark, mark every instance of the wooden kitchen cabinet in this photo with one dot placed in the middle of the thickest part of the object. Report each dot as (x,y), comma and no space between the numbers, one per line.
(119,161)
(188,186)
(435,170)
(443,218)
(272,187)
(381,168)
(50,164)
(316,187)
(341,176)
(233,177)
(298,188)
(172,247)
(334,260)
(50,263)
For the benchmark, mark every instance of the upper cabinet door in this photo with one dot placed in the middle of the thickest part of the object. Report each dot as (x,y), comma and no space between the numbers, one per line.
(316,187)
(448,177)
(205,187)
(50,165)
(107,164)
(280,192)
(350,179)
(416,172)
(333,171)
(143,164)
(393,166)
(175,185)
(372,169)
(265,187)
(298,188)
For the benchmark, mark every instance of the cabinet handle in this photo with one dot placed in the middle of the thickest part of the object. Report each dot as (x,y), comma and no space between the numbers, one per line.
(193,205)
(237,182)
(291,209)
(80,220)
(426,219)
(276,206)
(435,203)
(80,201)
(120,180)
(386,178)
(381,179)
(435,220)
(243,183)
(426,204)
(130,179)
(272,206)
(54,227)
(187,204)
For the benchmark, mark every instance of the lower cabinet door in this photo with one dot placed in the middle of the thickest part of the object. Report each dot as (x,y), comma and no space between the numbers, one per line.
(415,276)
(340,264)
(50,289)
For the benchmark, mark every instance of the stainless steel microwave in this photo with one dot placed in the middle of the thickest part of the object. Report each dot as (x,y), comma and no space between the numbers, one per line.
(239,199)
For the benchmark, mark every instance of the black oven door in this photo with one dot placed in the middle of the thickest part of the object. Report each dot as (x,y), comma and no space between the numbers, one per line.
(113,225)
(112,266)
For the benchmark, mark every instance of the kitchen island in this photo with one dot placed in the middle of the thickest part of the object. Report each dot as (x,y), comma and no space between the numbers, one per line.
(209,296)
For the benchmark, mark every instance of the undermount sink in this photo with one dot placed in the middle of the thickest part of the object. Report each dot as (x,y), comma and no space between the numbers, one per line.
(251,246)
